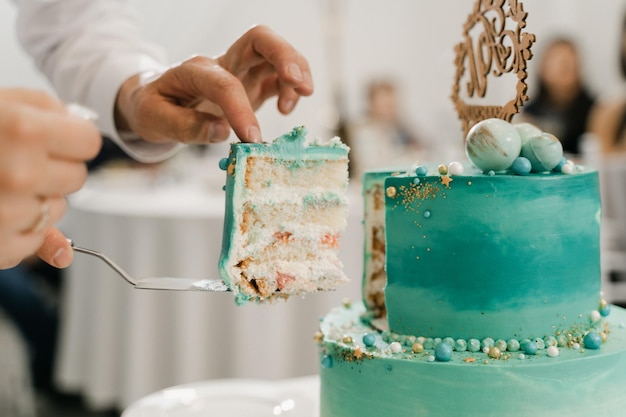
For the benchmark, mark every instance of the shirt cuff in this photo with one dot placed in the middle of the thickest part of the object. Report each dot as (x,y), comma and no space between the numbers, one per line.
(103,94)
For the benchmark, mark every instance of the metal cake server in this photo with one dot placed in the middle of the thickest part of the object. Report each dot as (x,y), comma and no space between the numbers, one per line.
(158,283)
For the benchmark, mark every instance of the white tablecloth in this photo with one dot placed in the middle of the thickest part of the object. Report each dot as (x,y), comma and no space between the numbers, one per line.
(118,344)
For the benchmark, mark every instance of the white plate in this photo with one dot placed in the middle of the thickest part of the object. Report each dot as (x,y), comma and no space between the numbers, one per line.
(232,398)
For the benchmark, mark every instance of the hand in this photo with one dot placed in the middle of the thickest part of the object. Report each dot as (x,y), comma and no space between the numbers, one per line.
(199,100)
(42,154)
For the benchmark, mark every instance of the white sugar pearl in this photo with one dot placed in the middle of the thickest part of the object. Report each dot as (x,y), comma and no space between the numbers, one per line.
(431,358)
(455,168)
(595,316)
(553,351)
(567,169)
(522,356)
(575,346)
(395,347)
(486,349)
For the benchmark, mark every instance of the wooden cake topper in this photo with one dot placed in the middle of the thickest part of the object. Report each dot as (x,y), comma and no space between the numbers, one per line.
(497,46)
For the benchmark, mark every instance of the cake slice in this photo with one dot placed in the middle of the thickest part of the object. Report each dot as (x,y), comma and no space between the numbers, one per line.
(286,209)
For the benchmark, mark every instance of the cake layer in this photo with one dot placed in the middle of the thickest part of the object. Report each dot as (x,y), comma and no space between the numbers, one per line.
(374,275)
(285,212)
(500,256)
(362,381)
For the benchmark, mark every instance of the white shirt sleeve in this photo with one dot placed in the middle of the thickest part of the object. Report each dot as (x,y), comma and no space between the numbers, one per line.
(87,49)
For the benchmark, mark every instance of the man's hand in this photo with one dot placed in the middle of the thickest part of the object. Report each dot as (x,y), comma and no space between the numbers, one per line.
(201,99)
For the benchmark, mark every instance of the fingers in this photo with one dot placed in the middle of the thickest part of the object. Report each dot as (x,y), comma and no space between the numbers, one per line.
(261,44)
(42,154)
(19,214)
(55,249)
(32,98)
(201,77)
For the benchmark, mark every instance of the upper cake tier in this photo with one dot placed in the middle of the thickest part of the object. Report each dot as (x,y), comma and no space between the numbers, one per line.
(500,256)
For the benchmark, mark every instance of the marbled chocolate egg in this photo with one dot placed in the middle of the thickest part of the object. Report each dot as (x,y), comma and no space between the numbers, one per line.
(493,144)
(527,131)
(544,152)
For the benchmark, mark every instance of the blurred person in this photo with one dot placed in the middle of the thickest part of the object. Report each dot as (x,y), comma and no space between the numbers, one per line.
(380,138)
(93,55)
(608,121)
(562,103)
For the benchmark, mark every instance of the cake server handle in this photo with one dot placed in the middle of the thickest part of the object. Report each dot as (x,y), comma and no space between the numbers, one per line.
(157,283)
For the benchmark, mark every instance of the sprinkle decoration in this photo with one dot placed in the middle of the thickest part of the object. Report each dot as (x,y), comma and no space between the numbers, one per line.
(395,347)
(421,171)
(455,168)
(592,340)
(369,339)
(553,351)
(391,192)
(446,180)
(327,362)
(223,164)
(443,352)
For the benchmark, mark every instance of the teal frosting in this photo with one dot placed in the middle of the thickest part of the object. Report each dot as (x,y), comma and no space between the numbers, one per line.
(376,382)
(497,256)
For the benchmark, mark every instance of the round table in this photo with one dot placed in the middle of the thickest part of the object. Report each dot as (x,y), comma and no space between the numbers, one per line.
(118,344)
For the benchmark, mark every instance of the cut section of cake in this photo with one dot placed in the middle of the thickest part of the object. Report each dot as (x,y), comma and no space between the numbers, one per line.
(286,209)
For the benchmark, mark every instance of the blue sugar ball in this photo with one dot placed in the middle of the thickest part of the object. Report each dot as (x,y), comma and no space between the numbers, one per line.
(421,171)
(449,341)
(521,166)
(443,352)
(460,345)
(605,311)
(223,164)
(369,339)
(327,361)
(487,343)
(473,345)
(493,144)
(543,151)
(592,340)
(529,347)
(512,345)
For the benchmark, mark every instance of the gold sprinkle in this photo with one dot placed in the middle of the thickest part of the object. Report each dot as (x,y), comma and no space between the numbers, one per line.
(347,340)
(469,360)
(603,336)
(391,192)
(358,353)
(417,347)
(495,353)
(446,180)
(346,302)
(318,337)
(443,170)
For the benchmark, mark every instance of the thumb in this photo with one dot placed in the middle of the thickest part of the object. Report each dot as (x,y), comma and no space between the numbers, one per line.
(55,249)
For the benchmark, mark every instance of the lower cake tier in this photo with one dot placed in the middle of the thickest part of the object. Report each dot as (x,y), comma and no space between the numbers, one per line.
(363,376)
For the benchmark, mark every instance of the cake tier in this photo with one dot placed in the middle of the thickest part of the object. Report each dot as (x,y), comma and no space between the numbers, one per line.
(285,212)
(500,256)
(361,381)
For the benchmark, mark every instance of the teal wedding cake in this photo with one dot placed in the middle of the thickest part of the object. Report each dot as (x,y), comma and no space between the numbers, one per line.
(481,294)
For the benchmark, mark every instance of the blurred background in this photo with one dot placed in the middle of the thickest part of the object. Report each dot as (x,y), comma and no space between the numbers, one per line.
(381,70)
